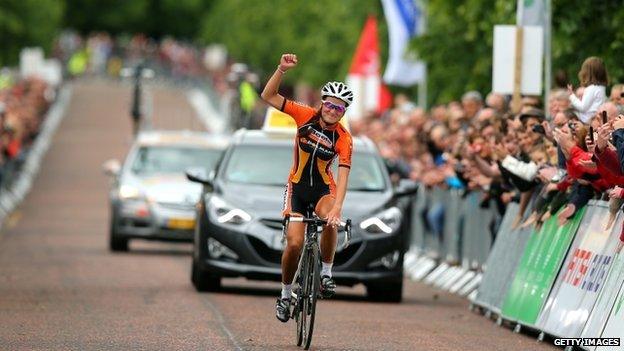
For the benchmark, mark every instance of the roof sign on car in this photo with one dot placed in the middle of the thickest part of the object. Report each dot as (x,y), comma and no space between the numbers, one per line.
(278,121)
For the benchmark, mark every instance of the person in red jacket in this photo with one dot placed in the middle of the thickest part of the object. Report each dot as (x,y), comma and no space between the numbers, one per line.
(587,177)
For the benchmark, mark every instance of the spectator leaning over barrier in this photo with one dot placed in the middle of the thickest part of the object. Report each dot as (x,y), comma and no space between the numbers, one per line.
(608,157)
(593,78)
(583,177)
(608,166)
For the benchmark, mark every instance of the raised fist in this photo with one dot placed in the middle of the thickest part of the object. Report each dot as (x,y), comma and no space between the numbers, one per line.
(287,61)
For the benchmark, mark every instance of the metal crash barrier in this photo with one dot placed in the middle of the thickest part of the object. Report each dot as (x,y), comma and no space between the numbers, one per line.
(451,238)
(563,281)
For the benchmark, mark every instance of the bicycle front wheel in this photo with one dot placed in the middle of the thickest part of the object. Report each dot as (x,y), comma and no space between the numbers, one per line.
(299,315)
(313,280)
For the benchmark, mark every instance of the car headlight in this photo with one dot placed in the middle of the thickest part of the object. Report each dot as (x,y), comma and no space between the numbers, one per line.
(129,192)
(226,213)
(133,202)
(216,250)
(385,222)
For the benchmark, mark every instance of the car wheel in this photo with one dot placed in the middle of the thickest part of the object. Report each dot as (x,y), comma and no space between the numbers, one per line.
(117,243)
(204,281)
(385,292)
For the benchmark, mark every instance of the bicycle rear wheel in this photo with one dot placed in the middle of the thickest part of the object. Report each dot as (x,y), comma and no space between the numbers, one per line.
(313,281)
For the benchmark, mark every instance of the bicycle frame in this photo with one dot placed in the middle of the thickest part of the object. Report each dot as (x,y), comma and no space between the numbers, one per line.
(310,243)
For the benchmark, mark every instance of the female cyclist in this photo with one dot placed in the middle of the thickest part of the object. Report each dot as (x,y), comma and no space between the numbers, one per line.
(320,139)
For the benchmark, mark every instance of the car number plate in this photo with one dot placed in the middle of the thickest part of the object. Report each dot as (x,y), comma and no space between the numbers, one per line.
(177,223)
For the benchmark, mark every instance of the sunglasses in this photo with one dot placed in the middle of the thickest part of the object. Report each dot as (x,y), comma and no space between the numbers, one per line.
(330,105)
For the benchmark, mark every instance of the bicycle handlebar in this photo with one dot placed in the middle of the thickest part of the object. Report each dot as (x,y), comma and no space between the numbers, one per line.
(319,221)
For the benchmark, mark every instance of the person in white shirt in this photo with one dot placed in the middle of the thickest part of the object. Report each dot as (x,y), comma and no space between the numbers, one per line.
(593,77)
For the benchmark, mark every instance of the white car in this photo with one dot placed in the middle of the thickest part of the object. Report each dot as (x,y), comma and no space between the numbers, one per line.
(150,197)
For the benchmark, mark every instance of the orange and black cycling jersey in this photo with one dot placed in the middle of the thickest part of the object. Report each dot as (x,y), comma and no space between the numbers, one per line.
(316,147)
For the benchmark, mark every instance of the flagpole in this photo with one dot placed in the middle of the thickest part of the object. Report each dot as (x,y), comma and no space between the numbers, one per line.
(422,91)
(548,56)
(516,100)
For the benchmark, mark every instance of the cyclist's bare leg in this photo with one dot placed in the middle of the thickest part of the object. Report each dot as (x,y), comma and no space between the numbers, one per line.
(329,237)
(290,257)
(294,243)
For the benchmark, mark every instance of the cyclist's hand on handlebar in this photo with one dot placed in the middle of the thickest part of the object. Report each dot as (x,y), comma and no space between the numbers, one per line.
(287,61)
(333,217)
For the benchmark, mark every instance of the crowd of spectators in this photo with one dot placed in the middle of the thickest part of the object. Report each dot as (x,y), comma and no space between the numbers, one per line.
(233,85)
(99,53)
(23,103)
(550,162)
(552,158)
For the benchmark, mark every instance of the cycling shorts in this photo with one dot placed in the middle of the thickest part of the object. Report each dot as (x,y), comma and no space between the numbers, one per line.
(298,197)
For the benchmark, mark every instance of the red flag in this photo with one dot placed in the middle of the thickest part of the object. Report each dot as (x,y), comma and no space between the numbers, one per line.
(385,98)
(366,58)
(364,75)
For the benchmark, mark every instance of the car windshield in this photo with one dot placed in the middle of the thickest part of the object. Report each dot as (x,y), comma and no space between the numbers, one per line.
(269,165)
(166,159)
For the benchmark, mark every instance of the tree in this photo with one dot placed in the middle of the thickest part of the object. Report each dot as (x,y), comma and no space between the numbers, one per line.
(322,33)
(155,18)
(26,23)
(113,16)
(458,43)
(582,29)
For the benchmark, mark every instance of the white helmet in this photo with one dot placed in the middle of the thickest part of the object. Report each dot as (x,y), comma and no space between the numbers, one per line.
(338,90)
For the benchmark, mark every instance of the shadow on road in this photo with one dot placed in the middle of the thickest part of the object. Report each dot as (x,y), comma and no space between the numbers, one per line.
(273,292)
(158,252)
(431,299)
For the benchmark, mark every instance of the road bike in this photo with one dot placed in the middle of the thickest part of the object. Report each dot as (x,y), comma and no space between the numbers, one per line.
(307,278)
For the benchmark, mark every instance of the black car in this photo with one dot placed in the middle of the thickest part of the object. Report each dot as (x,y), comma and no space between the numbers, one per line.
(239,225)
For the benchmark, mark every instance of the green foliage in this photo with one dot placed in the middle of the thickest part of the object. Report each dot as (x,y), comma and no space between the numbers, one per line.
(582,29)
(114,16)
(458,42)
(178,18)
(156,18)
(27,23)
(322,33)
(457,45)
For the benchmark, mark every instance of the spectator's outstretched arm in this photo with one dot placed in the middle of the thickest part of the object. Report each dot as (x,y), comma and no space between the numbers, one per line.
(526,171)
(608,159)
(525,198)
(486,168)
(565,141)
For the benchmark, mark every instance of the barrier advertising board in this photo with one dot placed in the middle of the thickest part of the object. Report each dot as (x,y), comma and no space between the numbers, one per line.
(539,266)
(582,276)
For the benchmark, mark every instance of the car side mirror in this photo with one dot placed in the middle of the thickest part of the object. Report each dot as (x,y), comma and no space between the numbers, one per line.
(406,187)
(199,175)
(111,167)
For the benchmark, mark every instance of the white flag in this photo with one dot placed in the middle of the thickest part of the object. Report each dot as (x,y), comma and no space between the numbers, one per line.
(403,19)
(531,13)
